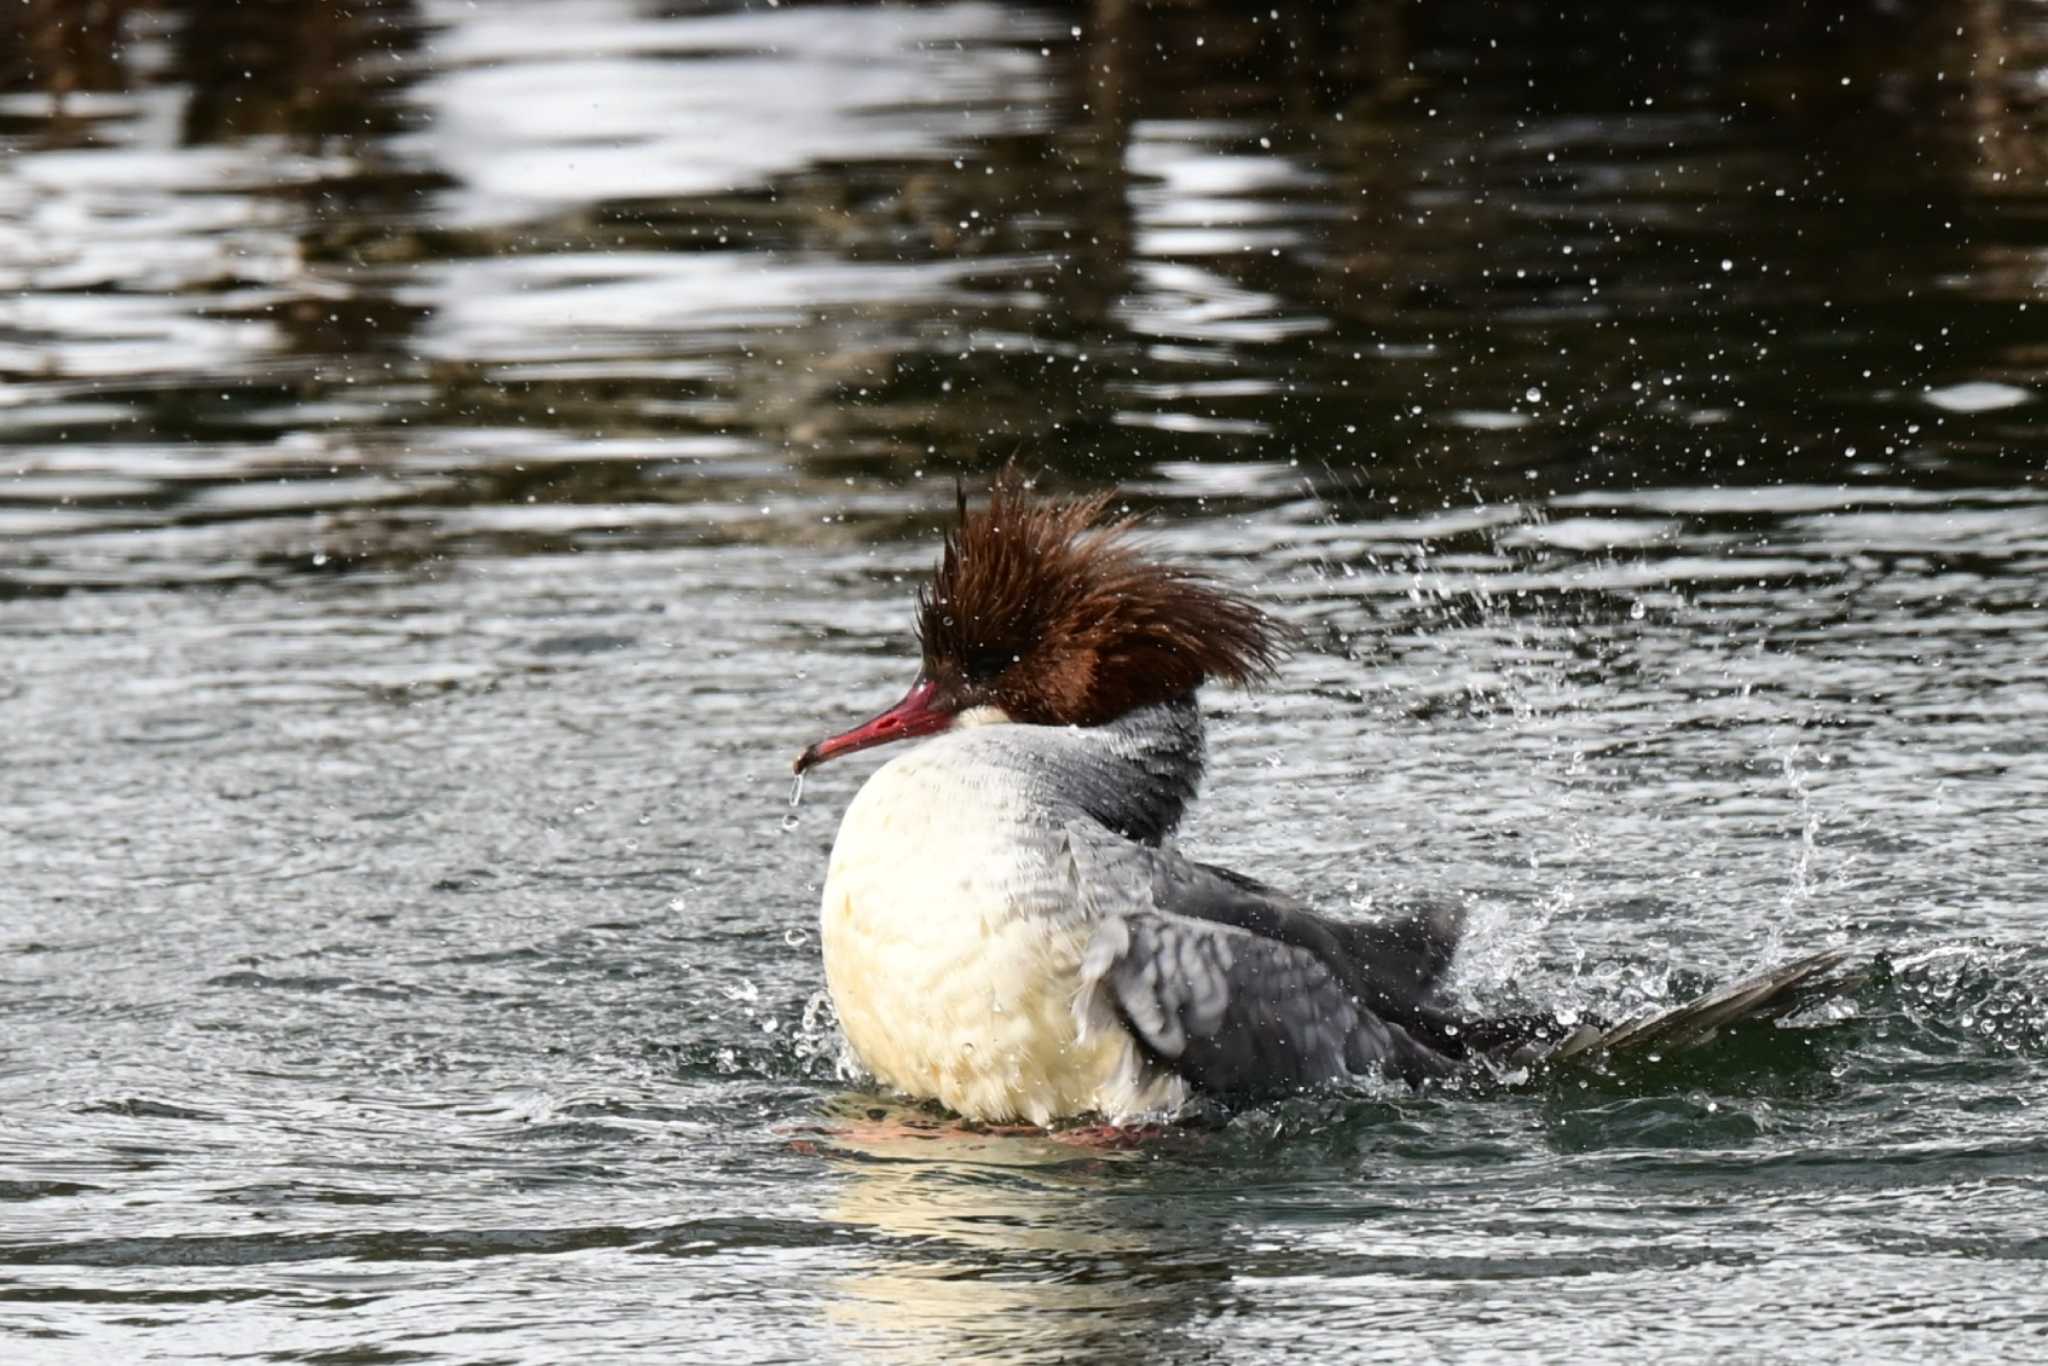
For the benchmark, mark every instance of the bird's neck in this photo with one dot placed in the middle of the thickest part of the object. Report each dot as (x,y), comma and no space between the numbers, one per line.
(1135,775)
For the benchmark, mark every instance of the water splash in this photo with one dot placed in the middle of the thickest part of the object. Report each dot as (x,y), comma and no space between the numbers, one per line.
(821,1051)
(1804,882)
(1967,998)
(1802,886)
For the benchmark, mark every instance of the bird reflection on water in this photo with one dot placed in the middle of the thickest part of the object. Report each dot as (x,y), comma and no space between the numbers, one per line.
(1006,1248)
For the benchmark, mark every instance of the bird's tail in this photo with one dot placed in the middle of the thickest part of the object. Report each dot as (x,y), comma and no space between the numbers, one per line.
(1768,995)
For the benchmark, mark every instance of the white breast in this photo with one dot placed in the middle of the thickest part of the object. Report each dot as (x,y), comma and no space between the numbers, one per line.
(953,947)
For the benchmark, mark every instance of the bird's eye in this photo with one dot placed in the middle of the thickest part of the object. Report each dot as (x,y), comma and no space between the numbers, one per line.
(983,665)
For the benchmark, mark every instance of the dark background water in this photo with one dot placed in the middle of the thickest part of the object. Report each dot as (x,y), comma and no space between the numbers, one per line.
(453,455)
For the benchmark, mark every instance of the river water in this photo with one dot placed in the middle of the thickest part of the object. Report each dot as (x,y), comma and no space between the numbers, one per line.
(453,455)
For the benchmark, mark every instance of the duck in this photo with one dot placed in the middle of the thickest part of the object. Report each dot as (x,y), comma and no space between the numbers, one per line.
(1008,928)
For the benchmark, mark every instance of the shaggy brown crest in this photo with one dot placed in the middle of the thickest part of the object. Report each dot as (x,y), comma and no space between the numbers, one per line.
(1045,609)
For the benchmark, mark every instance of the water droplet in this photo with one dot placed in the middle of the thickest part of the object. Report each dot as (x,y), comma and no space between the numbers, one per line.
(1533,395)
(1637,611)
(796,799)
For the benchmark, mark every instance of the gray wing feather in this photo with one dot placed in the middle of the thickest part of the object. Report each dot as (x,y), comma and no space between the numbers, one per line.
(1234,1011)
(1239,989)
(1767,995)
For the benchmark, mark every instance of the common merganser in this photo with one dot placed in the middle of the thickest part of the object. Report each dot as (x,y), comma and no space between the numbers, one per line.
(1006,928)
